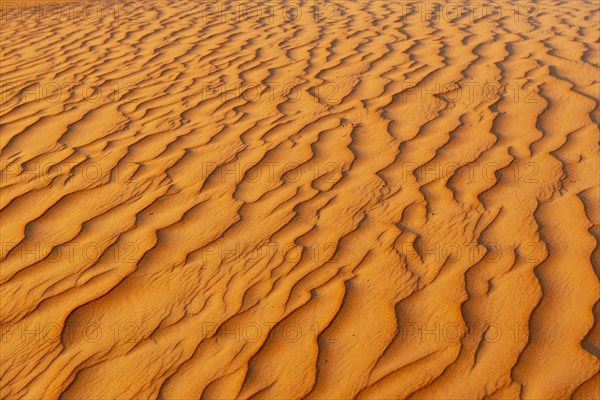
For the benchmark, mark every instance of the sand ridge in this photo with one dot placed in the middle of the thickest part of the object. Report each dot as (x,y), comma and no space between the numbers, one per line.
(332,199)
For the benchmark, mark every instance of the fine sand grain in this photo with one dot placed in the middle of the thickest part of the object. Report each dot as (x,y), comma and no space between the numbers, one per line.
(326,199)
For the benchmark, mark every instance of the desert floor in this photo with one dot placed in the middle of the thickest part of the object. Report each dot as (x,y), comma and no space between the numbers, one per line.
(326,199)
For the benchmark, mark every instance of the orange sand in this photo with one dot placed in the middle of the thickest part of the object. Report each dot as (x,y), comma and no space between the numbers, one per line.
(317,199)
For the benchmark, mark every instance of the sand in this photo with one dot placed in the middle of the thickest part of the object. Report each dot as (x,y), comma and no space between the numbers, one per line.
(313,199)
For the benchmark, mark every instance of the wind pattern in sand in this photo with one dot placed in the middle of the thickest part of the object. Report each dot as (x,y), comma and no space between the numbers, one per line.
(318,199)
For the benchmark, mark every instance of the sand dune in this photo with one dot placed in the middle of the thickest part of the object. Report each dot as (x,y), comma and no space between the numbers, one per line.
(312,199)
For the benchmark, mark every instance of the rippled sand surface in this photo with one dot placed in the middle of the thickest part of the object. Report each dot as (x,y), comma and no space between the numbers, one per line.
(313,199)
